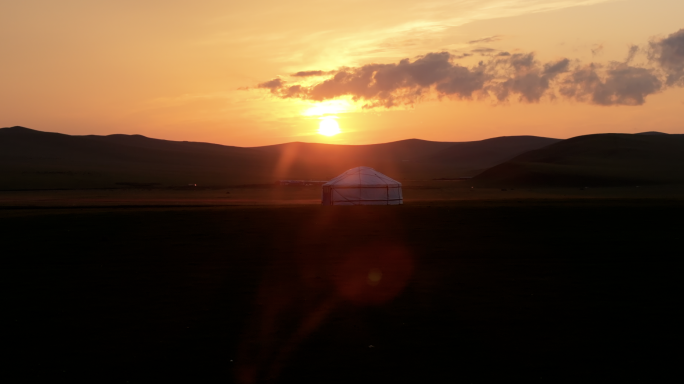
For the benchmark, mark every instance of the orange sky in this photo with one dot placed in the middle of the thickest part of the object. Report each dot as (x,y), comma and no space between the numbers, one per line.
(190,70)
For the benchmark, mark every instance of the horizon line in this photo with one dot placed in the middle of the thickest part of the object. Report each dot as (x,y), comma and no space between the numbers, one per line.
(349,145)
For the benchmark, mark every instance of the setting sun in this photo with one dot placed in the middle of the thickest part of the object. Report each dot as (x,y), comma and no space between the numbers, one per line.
(329,127)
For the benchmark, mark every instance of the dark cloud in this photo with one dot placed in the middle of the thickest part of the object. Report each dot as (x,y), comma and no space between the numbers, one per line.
(293,91)
(620,84)
(668,53)
(463,82)
(521,61)
(483,50)
(486,40)
(278,87)
(502,77)
(553,69)
(633,50)
(529,79)
(274,85)
(403,83)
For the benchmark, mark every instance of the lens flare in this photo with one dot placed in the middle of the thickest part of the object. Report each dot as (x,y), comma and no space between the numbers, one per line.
(374,275)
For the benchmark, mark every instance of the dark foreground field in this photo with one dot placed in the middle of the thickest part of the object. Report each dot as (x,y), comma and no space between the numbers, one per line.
(499,291)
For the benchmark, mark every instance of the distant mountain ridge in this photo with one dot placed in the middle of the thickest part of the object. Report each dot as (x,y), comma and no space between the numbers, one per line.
(31,159)
(35,159)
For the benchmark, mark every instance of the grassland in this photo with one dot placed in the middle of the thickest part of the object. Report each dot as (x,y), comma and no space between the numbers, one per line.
(533,290)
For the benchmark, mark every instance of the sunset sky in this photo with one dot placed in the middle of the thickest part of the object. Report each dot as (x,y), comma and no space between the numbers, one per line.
(265,72)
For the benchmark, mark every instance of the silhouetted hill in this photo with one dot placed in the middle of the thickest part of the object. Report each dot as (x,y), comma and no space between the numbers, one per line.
(651,133)
(398,150)
(410,159)
(325,161)
(34,159)
(490,152)
(596,160)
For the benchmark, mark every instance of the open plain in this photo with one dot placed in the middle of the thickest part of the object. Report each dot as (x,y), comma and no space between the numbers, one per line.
(512,285)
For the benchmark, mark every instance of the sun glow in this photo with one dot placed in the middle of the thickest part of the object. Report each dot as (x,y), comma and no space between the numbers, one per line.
(329,107)
(328,127)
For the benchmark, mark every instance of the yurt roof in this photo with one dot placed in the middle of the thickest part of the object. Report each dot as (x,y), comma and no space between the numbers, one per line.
(362,176)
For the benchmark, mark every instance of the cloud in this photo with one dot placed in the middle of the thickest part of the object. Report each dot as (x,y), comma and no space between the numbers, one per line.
(404,83)
(277,87)
(620,84)
(529,79)
(486,40)
(274,85)
(501,77)
(668,53)
(597,49)
(633,50)
(483,50)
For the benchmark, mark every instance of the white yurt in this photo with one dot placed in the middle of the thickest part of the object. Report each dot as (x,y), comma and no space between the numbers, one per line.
(362,186)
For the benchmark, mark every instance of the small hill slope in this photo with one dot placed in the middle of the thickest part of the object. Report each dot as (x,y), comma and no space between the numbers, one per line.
(34,159)
(490,152)
(405,159)
(596,160)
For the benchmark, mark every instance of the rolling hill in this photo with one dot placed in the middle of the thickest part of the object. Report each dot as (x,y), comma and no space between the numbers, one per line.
(596,160)
(487,153)
(31,159)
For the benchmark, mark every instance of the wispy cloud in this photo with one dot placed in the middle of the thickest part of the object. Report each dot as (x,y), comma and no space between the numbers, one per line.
(485,40)
(416,28)
(483,50)
(311,73)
